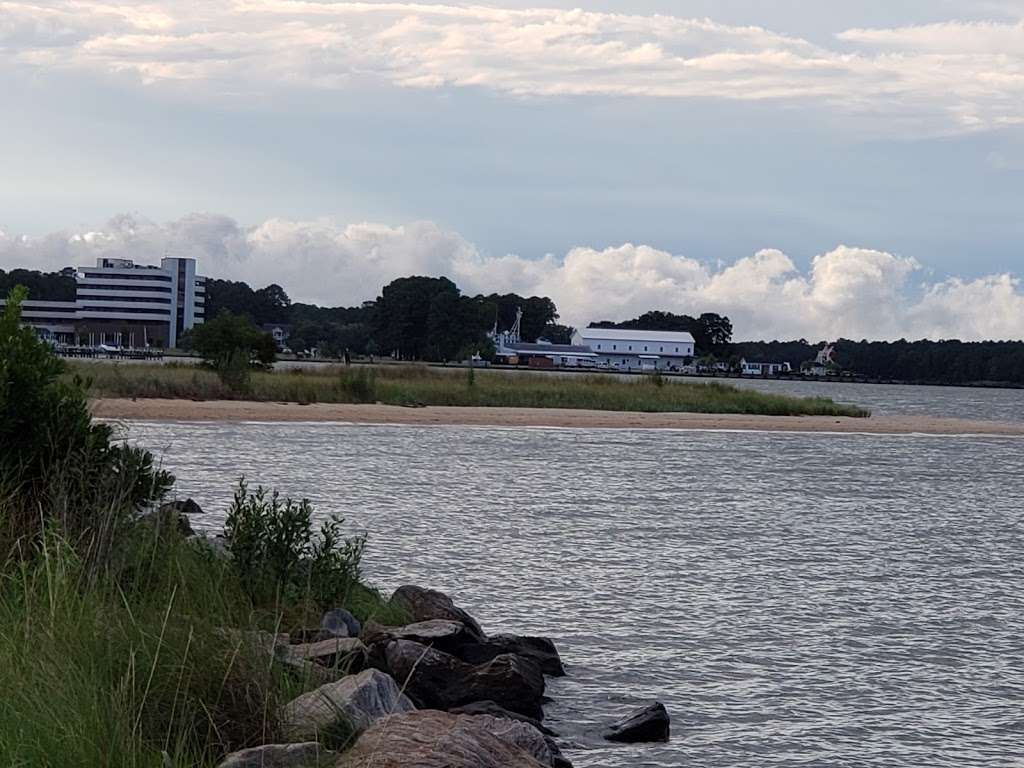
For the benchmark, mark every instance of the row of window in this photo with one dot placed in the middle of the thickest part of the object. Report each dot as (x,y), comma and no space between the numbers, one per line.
(119,276)
(104,287)
(616,346)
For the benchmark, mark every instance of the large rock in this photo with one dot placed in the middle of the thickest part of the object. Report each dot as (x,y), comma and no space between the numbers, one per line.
(358,700)
(424,673)
(340,623)
(174,515)
(496,710)
(430,739)
(307,755)
(344,653)
(648,724)
(426,604)
(539,649)
(442,633)
(513,682)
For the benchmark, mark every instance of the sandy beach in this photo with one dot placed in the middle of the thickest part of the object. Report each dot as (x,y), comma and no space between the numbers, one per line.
(235,411)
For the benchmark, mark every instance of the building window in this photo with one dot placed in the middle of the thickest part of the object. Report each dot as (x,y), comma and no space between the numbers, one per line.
(630,347)
(645,347)
(615,346)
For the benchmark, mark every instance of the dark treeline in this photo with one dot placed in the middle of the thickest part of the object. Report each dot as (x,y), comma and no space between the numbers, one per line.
(414,318)
(42,286)
(940,362)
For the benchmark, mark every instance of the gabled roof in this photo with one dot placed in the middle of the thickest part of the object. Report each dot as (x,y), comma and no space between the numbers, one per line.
(621,334)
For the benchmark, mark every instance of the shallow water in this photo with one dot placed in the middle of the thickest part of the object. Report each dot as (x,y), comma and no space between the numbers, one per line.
(794,600)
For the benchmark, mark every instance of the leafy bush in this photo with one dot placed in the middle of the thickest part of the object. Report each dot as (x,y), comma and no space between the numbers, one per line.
(279,557)
(232,345)
(57,468)
(358,385)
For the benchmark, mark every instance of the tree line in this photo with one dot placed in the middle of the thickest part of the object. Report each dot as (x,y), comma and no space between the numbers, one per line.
(429,318)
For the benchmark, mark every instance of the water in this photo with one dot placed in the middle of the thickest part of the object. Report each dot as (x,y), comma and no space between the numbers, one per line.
(794,600)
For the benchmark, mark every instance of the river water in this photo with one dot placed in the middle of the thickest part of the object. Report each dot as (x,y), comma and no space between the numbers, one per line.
(794,600)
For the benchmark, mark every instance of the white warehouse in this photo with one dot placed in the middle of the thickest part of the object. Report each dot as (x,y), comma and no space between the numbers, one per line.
(637,350)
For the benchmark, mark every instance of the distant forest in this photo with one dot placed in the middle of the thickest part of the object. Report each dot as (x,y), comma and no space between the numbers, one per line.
(427,318)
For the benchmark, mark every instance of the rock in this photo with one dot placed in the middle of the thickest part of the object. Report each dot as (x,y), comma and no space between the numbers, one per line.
(441,633)
(173,514)
(539,649)
(426,604)
(359,700)
(424,673)
(558,760)
(340,623)
(496,710)
(513,682)
(430,739)
(345,653)
(307,755)
(648,724)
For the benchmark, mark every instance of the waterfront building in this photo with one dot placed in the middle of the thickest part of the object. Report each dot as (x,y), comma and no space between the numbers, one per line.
(122,304)
(637,349)
(751,368)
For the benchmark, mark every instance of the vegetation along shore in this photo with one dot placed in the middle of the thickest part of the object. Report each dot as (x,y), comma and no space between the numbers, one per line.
(128,640)
(417,385)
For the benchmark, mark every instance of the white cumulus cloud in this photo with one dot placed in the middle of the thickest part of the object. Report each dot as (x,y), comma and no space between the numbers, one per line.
(847,292)
(956,76)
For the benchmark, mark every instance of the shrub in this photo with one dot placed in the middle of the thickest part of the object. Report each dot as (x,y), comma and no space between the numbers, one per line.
(230,344)
(59,470)
(279,557)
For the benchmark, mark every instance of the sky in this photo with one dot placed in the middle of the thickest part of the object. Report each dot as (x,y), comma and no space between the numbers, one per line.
(812,168)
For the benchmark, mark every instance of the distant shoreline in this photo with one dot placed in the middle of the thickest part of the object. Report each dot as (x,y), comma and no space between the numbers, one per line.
(154,409)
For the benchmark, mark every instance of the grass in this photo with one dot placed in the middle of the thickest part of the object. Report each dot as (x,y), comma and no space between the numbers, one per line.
(132,667)
(421,385)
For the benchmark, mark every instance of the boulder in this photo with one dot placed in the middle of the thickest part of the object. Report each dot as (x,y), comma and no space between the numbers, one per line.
(173,514)
(441,633)
(426,604)
(307,755)
(340,623)
(430,739)
(513,682)
(357,701)
(558,760)
(650,723)
(424,673)
(496,710)
(539,649)
(346,653)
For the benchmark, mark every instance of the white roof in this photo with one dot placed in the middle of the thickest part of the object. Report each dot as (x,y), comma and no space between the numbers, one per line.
(619,334)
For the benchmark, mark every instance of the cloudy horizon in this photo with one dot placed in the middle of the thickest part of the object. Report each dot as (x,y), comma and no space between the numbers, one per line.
(846,292)
(812,170)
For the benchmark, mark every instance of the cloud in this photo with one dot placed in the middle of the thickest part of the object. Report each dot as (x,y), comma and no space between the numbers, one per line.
(847,292)
(957,76)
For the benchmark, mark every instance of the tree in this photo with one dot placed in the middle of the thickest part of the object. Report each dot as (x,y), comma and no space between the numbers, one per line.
(231,345)
(711,333)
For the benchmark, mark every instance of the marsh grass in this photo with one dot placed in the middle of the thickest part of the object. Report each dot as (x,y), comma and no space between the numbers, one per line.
(421,385)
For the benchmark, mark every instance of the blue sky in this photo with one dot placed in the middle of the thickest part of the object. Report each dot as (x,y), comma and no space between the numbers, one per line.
(611,157)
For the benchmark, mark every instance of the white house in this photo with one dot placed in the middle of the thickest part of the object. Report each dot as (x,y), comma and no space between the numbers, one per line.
(637,350)
(748,368)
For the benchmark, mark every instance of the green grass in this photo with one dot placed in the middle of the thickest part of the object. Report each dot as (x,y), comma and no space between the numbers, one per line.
(120,669)
(417,384)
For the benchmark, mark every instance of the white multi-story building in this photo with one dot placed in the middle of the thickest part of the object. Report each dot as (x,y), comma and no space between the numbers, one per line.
(123,304)
(637,350)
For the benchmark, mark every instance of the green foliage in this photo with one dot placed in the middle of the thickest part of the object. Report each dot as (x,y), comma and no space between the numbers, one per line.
(358,385)
(58,470)
(278,556)
(41,286)
(231,345)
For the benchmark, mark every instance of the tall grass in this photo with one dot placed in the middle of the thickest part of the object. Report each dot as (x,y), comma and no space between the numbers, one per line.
(420,385)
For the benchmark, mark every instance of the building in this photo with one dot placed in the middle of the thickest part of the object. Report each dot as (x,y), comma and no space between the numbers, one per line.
(122,304)
(637,350)
(749,368)
(281,332)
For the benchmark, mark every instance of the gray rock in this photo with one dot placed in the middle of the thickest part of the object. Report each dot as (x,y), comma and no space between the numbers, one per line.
(496,710)
(340,623)
(173,515)
(513,682)
(539,649)
(358,700)
(426,604)
(442,633)
(344,653)
(650,723)
(307,755)
(424,673)
(430,739)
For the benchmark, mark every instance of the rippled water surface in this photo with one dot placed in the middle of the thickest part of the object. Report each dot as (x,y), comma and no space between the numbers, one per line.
(794,600)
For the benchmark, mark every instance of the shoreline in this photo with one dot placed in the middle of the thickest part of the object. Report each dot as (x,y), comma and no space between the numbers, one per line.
(244,410)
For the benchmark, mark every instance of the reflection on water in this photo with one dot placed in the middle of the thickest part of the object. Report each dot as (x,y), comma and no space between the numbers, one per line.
(793,599)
